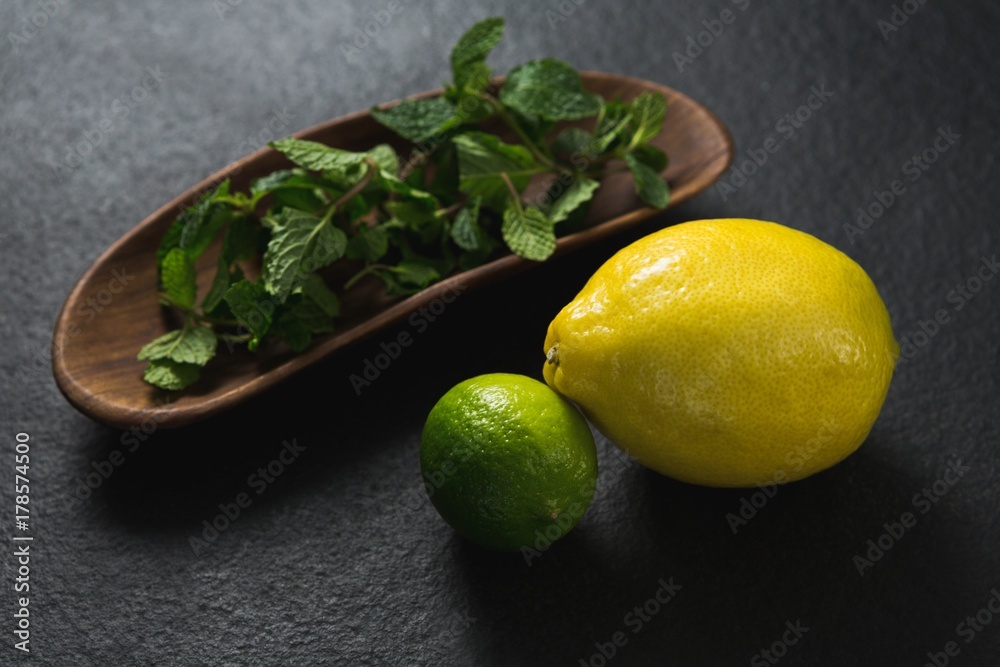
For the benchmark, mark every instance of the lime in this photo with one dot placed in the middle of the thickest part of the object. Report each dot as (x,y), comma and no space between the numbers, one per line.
(727,352)
(508,462)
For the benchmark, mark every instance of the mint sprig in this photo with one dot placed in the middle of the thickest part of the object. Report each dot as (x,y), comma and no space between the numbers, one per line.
(458,200)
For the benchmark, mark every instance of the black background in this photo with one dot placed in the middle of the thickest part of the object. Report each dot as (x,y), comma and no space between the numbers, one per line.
(341,560)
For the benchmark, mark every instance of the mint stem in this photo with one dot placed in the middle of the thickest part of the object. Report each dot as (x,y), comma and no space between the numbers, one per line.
(511,122)
(356,189)
(364,272)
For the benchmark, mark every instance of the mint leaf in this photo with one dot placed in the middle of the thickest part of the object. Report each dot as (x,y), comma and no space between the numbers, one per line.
(316,156)
(469,55)
(368,243)
(579,192)
(573,141)
(482,158)
(550,89)
(408,277)
(294,188)
(295,333)
(310,310)
(252,307)
(177,275)
(416,219)
(312,318)
(444,174)
(418,120)
(223,279)
(316,291)
(473,106)
(201,222)
(241,240)
(300,244)
(612,127)
(465,231)
(648,184)
(651,156)
(168,374)
(303,200)
(647,111)
(391,183)
(534,127)
(528,233)
(291,179)
(313,313)
(190,345)
(385,157)
(171,240)
(239,243)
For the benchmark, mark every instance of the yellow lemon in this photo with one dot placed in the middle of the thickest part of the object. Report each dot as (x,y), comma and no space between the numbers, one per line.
(727,352)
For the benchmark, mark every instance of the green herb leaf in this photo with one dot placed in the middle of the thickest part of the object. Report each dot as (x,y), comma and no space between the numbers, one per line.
(647,111)
(385,157)
(651,156)
(315,290)
(368,243)
(221,283)
(550,89)
(177,275)
(171,240)
(190,345)
(292,179)
(300,244)
(313,314)
(483,158)
(612,127)
(391,183)
(528,233)
(252,307)
(294,332)
(168,374)
(418,120)
(239,243)
(444,178)
(295,188)
(415,219)
(316,156)
(201,222)
(534,127)
(408,277)
(579,192)
(465,231)
(473,106)
(572,141)
(469,54)
(312,318)
(648,184)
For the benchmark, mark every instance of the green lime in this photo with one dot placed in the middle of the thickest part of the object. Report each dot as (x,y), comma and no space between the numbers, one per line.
(508,462)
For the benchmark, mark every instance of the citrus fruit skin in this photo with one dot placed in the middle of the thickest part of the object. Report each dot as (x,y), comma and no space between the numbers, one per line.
(508,462)
(727,352)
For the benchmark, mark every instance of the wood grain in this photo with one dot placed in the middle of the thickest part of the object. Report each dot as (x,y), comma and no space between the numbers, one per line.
(113,311)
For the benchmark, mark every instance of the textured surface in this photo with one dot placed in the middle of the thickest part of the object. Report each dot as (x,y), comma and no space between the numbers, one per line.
(341,559)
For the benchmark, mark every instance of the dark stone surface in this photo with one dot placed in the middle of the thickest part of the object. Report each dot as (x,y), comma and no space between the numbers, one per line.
(341,560)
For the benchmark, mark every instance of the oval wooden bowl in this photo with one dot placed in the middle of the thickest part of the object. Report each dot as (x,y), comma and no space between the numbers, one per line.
(113,311)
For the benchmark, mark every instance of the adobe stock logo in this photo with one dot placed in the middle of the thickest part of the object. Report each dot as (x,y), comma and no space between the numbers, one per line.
(373,367)
(635,620)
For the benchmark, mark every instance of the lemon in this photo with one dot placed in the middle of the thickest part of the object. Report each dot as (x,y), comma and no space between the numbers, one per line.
(508,462)
(727,352)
